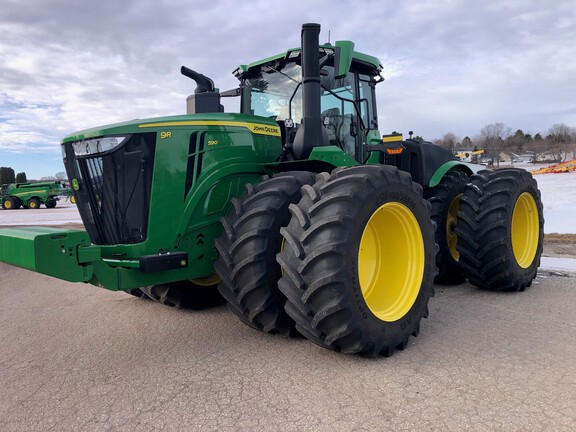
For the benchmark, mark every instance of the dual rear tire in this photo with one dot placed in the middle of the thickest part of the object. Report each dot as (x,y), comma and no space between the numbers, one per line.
(489,228)
(501,230)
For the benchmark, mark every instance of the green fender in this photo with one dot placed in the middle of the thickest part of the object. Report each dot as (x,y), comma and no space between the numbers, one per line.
(447,166)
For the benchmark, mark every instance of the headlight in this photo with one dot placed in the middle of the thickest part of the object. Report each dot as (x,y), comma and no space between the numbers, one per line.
(97,145)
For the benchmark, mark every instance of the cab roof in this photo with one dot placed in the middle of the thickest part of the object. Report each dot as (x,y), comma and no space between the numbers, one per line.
(345,57)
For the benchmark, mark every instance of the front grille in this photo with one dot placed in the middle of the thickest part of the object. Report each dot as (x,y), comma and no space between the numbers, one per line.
(114,190)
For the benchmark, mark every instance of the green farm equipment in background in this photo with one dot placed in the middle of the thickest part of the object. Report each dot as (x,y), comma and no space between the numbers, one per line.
(296,210)
(31,195)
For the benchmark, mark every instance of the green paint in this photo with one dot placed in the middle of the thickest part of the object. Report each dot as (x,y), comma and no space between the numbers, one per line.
(440,172)
(22,193)
(50,251)
(187,169)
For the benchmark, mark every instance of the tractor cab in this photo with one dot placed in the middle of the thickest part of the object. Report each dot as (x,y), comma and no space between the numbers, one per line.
(274,88)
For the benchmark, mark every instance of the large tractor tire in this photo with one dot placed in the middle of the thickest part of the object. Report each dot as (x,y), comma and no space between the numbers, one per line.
(248,247)
(359,260)
(50,203)
(33,203)
(194,294)
(445,204)
(8,204)
(501,230)
(11,203)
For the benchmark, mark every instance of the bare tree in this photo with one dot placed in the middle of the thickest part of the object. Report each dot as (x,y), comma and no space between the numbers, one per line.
(561,141)
(61,175)
(494,138)
(466,142)
(449,141)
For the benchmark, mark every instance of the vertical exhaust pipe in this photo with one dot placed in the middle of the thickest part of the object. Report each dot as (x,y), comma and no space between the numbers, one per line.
(311,132)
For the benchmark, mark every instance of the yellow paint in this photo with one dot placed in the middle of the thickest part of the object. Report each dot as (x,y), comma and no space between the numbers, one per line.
(391,138)
(451,222)
(525,230)
(207,281)
(255,128)
(391,261)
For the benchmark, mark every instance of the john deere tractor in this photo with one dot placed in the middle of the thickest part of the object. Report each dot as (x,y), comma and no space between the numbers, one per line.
(296,210)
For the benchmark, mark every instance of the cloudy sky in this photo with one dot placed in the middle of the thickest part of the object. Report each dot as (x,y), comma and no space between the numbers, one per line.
(450,65)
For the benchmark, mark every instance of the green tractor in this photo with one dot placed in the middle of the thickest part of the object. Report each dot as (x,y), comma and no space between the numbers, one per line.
(30,195)
(296,210)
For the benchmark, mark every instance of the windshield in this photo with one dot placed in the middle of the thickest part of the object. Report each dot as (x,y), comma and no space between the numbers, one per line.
(275,94)
(346,103)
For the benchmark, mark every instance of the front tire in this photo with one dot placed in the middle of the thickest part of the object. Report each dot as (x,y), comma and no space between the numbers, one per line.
(248,247)
(184,294)
(8,204)
(50,203)
(501,230)
(359,260)
(11,203)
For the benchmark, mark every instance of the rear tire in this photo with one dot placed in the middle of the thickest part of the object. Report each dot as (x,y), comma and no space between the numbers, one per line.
(359,260)
(50,203)
(445,204)
(248,247)
(501,230)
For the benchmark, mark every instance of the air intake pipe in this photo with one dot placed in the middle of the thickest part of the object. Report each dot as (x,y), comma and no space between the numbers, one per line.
(311,132)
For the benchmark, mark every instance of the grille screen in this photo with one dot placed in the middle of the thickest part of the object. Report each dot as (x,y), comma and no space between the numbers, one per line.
(114,193)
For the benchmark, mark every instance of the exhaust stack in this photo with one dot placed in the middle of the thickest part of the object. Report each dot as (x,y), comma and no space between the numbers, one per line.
(311,132)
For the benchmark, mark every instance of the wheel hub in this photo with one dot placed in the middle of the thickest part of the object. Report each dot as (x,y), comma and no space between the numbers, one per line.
(525,230)
(391,261)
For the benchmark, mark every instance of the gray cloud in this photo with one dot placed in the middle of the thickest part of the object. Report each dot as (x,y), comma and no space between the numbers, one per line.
(451,65)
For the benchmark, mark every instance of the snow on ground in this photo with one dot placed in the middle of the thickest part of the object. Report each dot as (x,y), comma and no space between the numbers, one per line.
(558,196)
(565,264)
(64,213)
(559,200)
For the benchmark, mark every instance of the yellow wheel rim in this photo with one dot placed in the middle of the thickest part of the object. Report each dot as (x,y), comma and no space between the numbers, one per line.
(525,230)
(73,200)
(391,261)
(451,223)
(207,281)
(32,205)
(7,204)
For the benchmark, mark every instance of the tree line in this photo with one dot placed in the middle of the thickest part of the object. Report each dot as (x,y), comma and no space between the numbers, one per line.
(8,175)
(495,138)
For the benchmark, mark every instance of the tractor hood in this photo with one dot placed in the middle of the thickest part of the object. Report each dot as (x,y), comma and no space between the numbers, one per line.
(158,123)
